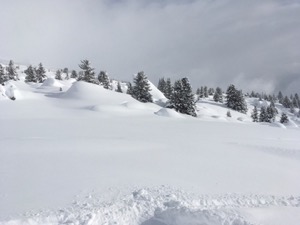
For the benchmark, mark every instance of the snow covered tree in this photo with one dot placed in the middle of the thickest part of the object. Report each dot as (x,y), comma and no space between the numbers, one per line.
(3,76)
(11,71)
(218,96)
(168,89)
(141,88)
(271,113)
(104,80)
(74,74)
(58,75)
(235,99)
(161,85)
(263,117)
(88,72)
(129,89)
(30,74)
(254,114)
(284,118)
(280,97)
(40,73)
(182,99)
(286,102)
(119,89)
(66,71)
(211,91)
(295,101)
(201,93)
(205,92)
(228,114)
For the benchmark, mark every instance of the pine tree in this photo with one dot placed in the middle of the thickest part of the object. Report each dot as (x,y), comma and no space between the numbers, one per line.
(129,89)
(284,118)
(182,99)
(235,99)
(201,93)
(254,114)
(30,74)
(11,71)
(58,75)
(263,114)
(280,97)
(141,88)
(66,71)
(88,72)
(40,74)
(286,102)
(3,76)
(161,85)
(168,89)
(211,91)
(218,96)
(205,92)
(74,74)
(104,80)
(119,89)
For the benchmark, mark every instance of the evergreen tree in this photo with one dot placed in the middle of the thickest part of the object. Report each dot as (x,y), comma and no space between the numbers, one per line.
(58,75)
(271,114)
(295,101)
(286,102)
(201,93)
(30,74)
(205,92)
(284,118)
(3,76)
(74,74)
(235,99)
(88,72)
(119,89)
(104,80)
(129,89)
(254,114)
(141,88)
(263,114)
(11,71)
(182,99)
(168,89)
(40,74)
(161,85)
(211,91)
(280,97)
(218,96)
(66,71)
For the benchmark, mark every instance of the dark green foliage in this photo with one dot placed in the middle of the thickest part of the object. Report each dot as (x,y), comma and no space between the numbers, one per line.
(161,85)
(141,88)
(263,114)
(235,99)
(3,76)
(168,89)
(40,74)
(30,74)
(254,114)
(104,80)
(88,72)
(284,118)
(129,89)
(182,99)
(74,74)
(58,75)
(119,89)
(11,71)
(218,96)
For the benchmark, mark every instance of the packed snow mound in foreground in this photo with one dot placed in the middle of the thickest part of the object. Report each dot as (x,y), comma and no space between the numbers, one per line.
(169,113)
(83,90)
(51,82)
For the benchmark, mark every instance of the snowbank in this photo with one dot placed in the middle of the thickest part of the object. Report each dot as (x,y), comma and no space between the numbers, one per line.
(169,113)
(51,82)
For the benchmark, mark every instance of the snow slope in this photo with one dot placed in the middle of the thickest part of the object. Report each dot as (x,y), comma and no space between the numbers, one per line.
(87,155)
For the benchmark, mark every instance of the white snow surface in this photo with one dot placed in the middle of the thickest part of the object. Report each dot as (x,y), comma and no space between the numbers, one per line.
(87,155)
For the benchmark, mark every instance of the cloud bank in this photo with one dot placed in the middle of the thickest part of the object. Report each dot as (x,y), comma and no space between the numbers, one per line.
(254,44)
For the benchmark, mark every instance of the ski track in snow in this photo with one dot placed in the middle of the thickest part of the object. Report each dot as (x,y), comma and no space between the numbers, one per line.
(155,206)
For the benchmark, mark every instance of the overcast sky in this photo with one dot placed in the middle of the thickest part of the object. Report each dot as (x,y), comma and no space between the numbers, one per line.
(254,44)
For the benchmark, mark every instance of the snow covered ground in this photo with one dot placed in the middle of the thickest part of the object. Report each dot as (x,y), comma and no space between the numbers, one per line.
(75,153)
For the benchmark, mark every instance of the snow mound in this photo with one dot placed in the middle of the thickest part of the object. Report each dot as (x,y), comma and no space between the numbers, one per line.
(51,82)
(169,113)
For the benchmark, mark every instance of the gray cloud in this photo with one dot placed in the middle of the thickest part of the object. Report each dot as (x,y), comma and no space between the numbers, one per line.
(254,44)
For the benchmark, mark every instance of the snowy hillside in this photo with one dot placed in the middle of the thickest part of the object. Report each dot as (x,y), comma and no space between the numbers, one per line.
(76,153)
